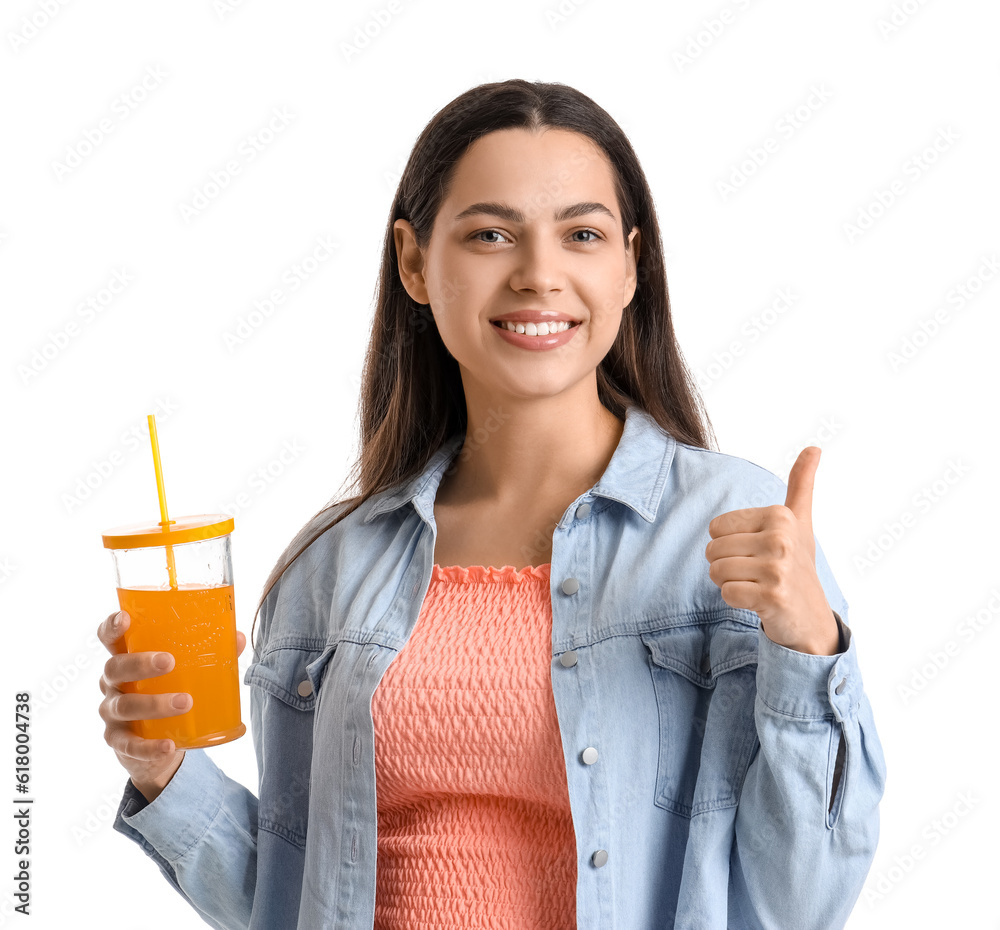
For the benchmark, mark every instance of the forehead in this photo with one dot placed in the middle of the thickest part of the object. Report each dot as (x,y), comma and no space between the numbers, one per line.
(524,168)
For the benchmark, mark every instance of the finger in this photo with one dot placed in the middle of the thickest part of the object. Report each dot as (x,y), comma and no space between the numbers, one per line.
(750,545)
(800,483)
(126,743)
(747,520)
(136,666)
(738,569)
(742,594)
(111,632)
(241,642)
(121,708)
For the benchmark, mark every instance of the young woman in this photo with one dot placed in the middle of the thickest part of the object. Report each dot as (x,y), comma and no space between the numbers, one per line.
(558,663)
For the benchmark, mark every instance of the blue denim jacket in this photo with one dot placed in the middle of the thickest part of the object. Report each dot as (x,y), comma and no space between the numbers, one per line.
(709,806)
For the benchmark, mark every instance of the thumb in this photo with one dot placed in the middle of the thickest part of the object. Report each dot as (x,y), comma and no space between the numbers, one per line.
(800,483)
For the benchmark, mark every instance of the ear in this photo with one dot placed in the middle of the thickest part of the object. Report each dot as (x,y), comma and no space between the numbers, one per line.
(632,247)
(411,261)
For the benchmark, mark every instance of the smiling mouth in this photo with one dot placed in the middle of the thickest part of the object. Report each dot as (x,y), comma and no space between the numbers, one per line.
(503,324)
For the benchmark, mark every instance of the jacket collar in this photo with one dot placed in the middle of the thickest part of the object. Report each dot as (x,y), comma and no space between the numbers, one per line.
(635,476)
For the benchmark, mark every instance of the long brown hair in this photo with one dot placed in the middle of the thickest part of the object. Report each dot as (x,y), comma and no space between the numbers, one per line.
(412,399)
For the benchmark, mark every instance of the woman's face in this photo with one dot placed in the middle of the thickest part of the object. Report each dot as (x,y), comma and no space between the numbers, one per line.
(531,223)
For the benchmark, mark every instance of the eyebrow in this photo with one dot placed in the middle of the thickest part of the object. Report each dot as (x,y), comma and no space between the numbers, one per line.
(513,215)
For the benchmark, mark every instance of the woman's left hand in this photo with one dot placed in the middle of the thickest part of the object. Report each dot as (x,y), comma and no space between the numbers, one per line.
(764,559)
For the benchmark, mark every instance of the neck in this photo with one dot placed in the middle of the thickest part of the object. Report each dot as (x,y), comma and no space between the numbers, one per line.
(516,455)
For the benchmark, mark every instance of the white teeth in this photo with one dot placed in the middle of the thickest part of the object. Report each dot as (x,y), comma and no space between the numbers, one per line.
(537,329)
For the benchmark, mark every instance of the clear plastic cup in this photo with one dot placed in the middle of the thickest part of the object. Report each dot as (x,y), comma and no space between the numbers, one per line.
(176,584)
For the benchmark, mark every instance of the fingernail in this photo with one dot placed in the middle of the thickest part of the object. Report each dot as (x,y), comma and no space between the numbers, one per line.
(116,623)
(161,660)
(180,701)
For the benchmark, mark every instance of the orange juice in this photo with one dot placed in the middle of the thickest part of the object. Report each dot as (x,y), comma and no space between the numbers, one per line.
(196,624)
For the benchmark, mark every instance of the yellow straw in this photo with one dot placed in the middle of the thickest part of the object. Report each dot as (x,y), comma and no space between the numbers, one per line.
(165,521)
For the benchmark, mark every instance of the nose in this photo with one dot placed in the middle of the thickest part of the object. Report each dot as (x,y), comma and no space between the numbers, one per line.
(539,267)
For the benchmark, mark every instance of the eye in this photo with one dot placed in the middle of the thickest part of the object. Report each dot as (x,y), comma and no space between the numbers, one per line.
(496,232)
(486,232)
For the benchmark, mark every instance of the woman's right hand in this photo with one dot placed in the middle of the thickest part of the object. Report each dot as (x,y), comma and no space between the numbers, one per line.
(151,763)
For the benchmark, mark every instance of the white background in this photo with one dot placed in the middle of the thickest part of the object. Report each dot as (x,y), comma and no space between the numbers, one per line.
(819,372)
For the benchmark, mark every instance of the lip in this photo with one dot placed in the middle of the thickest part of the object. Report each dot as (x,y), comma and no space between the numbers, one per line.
(535,343)
(534,316)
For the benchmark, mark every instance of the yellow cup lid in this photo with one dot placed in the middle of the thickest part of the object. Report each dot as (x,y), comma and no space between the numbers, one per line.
(182,530)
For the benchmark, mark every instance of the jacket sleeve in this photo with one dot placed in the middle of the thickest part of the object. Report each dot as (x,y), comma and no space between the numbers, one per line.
(802,852)
(201,831)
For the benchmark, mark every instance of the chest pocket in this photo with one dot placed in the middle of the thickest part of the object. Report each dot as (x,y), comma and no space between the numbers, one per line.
(704,676)
(283,689)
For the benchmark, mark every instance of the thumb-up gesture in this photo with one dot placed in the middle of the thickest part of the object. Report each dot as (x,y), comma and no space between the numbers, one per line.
(764,559)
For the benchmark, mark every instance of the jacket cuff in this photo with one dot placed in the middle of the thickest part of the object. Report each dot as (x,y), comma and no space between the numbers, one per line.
(182,813)
(798,684)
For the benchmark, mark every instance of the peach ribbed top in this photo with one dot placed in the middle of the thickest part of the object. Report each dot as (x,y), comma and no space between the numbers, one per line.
(474,822)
